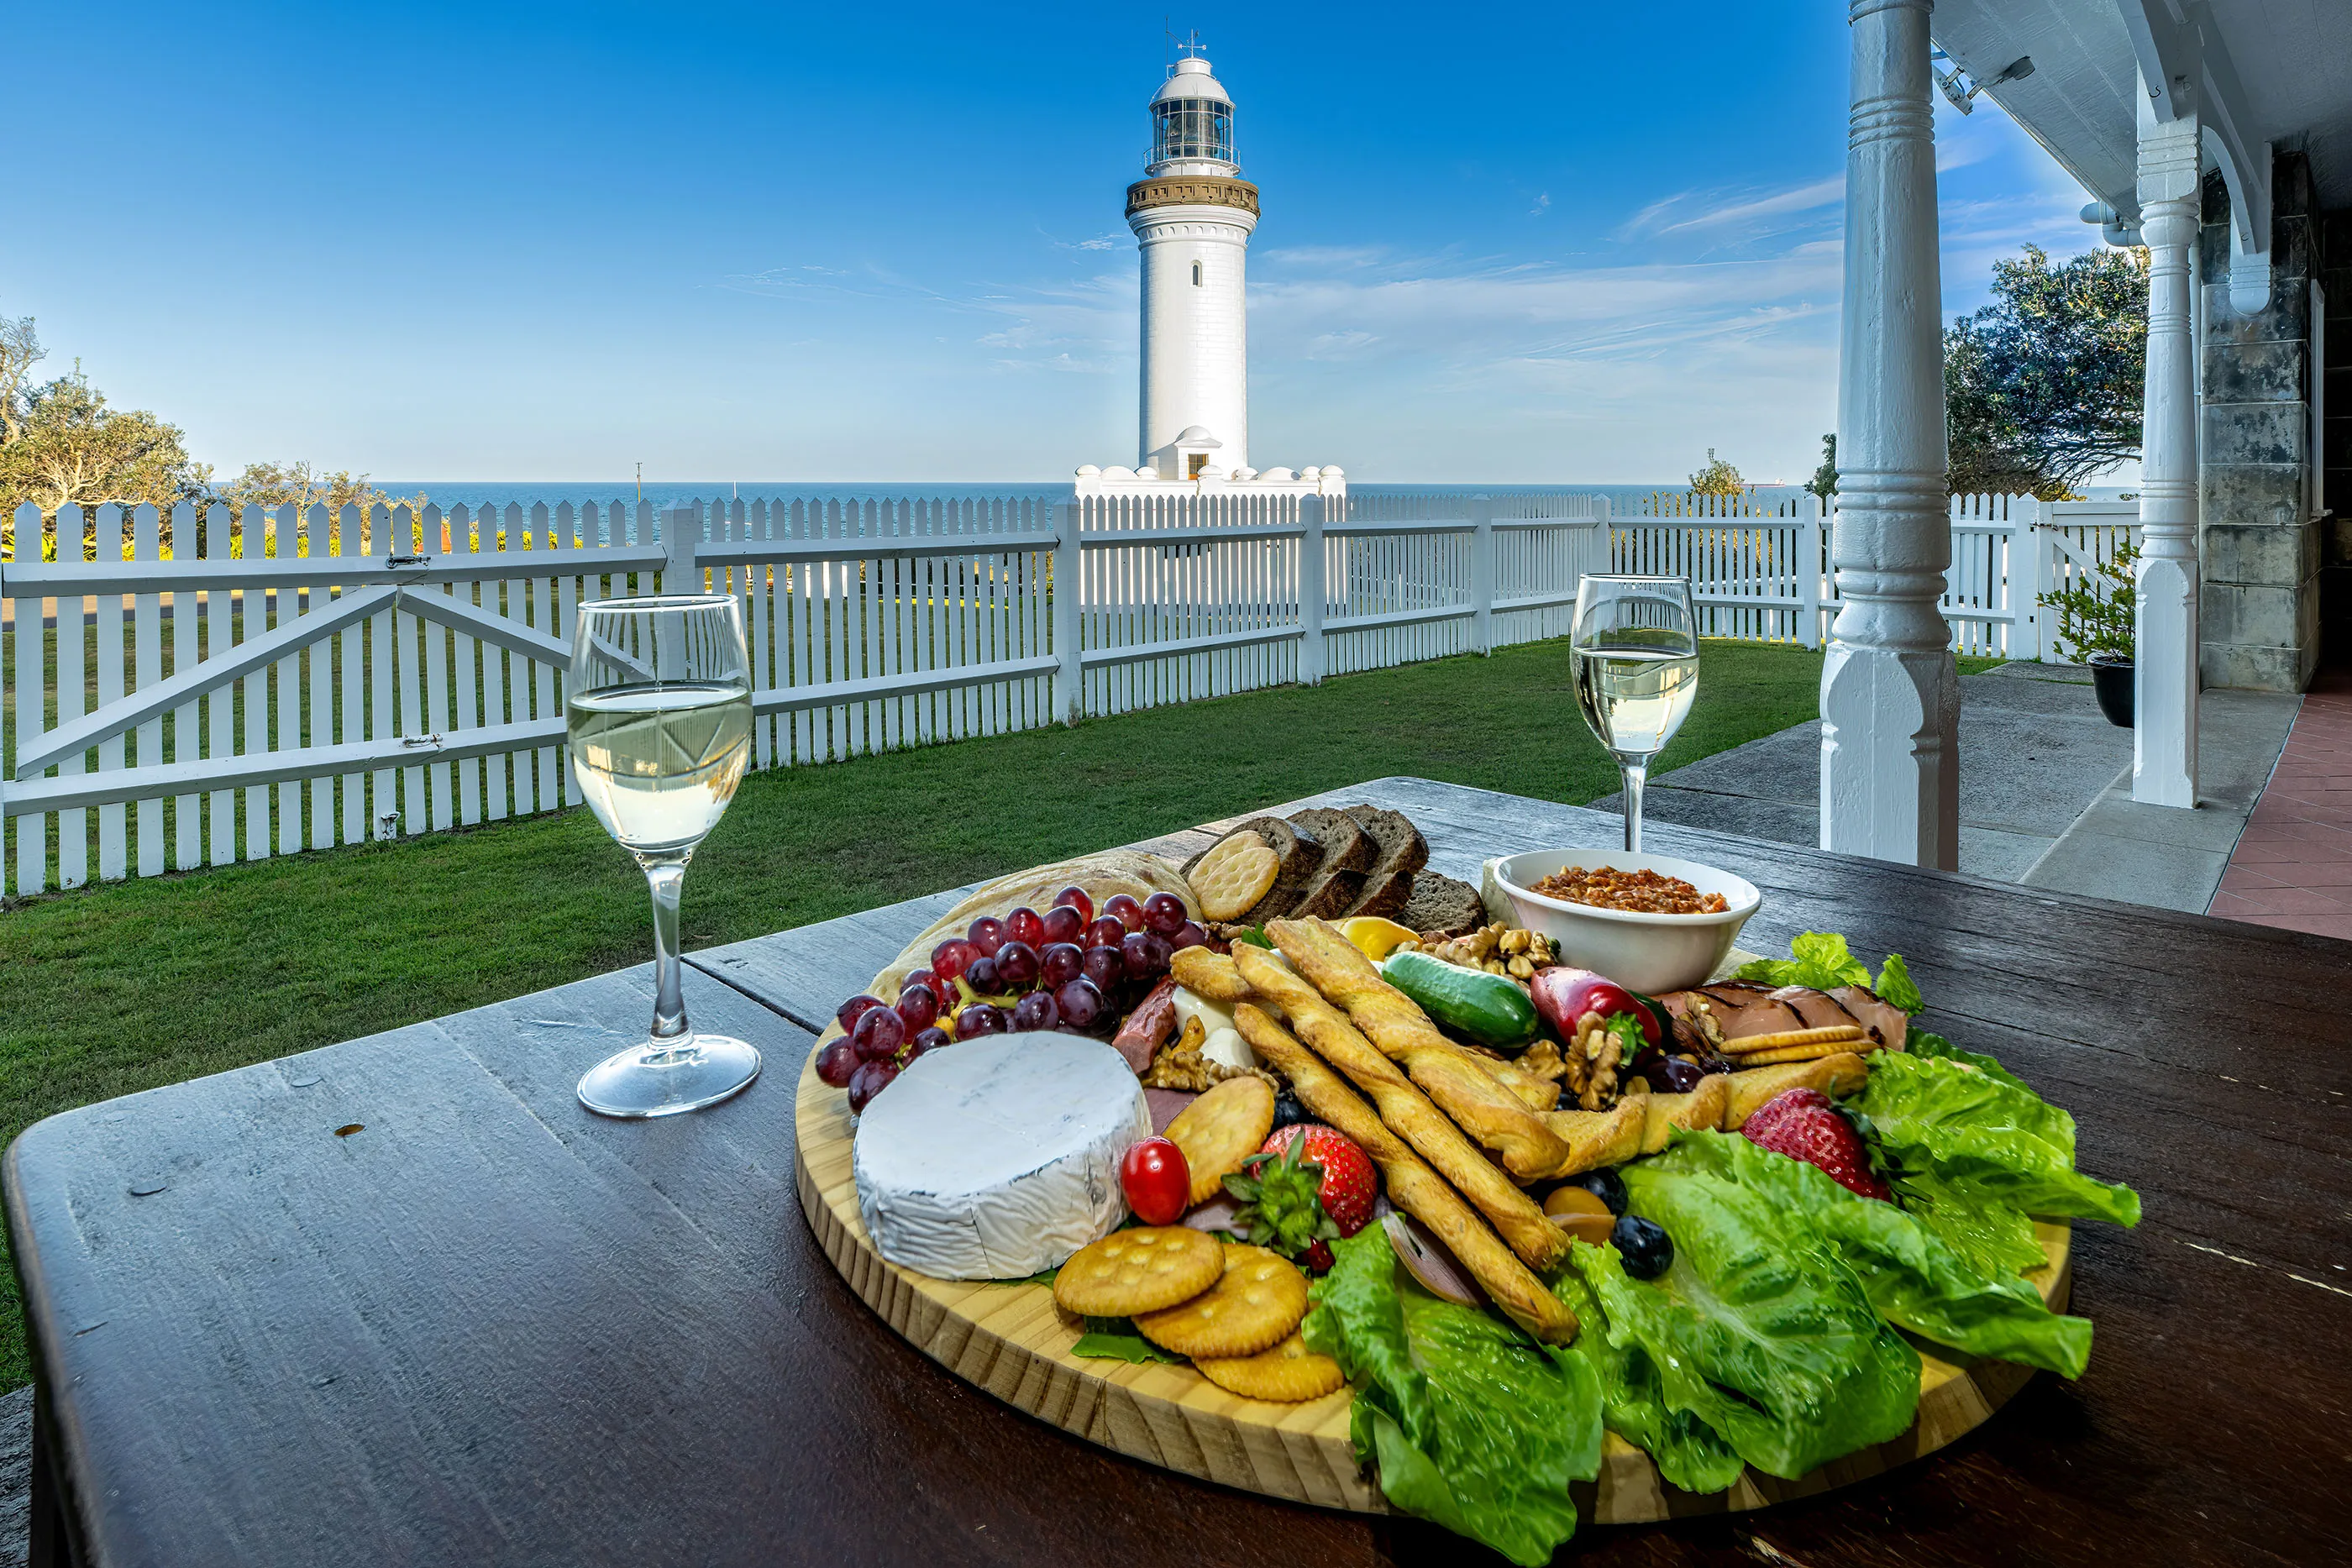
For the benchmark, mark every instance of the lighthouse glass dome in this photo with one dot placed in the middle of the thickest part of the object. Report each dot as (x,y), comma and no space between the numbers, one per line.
(1191,128)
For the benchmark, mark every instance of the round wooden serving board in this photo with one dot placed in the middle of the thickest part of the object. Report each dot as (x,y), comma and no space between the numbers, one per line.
(1013,1341)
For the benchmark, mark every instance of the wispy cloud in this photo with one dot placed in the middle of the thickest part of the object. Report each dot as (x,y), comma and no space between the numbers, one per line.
(1803,198)
(1543,202)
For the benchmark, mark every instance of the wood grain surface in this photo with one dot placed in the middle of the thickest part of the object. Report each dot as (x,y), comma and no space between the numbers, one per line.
(492,1328)
(1012,1341)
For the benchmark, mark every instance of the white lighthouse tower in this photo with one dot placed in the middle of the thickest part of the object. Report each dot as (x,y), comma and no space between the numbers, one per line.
(1193,213)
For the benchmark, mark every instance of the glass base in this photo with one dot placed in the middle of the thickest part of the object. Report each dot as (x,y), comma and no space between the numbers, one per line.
(662,1078)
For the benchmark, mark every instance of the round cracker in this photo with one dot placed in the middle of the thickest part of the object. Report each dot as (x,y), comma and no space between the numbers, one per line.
(1254,1303)
(1138,1271)
(1220,1130)
(1237,871)
(1289,1374)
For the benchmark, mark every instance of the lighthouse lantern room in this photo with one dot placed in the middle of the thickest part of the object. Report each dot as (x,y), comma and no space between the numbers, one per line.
(1192,214)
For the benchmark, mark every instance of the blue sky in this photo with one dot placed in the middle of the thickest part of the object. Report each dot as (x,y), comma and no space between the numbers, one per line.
(1558,243)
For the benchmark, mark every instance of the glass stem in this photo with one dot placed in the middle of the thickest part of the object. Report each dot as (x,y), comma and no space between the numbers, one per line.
(1636,775)
(666,878)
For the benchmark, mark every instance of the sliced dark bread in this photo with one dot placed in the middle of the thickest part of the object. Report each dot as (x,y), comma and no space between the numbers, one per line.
(1440,906)
(1301,855)
(1348,853)
(1388,887)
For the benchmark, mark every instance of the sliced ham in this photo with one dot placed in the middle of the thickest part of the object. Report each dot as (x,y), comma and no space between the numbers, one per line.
(1685,1010)
(1166,1104)
(1819,1009)
(1745,1010)
(1887,1023)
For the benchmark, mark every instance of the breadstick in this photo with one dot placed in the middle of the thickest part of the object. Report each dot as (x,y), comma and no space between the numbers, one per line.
(1448,1074)
(1839,1075)
(1210,975)
(1413,1186)
(1597,1138)
(1703,1107)
(1539,1242)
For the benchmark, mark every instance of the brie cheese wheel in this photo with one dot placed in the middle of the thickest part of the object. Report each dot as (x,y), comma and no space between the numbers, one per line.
(998,1157)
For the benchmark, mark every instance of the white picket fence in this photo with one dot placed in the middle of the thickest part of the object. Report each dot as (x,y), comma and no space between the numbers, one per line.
(284,682)
(1759,569)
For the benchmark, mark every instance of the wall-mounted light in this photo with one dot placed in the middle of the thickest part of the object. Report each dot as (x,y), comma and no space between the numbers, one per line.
(1960,92)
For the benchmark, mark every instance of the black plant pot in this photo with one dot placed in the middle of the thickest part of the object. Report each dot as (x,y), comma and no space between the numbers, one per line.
(2111,677)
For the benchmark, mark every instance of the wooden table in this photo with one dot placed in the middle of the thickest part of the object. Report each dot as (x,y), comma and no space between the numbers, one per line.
(402,1301)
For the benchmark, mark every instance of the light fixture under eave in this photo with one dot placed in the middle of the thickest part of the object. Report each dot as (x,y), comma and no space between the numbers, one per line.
(1961,93)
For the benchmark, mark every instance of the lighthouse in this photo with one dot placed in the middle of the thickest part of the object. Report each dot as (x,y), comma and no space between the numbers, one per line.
(1192,214)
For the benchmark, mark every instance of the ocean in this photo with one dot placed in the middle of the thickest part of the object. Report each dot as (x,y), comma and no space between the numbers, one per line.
(475,493)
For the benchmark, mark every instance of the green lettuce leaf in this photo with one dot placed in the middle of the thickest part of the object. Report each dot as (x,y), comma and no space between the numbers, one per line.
(1921,1043)
(1687,1451)
(1913,1280)
(1115,1339)
(1759,1329)
(1985,1139)
(1992,1238)
(1896,985)
(1473,1425)
(1817,958)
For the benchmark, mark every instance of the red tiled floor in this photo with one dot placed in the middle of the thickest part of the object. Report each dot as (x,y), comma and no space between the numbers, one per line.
(2292,866)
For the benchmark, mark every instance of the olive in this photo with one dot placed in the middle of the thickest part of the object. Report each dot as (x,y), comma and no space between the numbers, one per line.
(1604,1183)
(1712,1063)
(1674,1074)
(1644,1246)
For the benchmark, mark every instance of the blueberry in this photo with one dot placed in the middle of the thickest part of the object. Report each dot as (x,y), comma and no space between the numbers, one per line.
(1606,1185)
(1288,1110)
(1644,1246)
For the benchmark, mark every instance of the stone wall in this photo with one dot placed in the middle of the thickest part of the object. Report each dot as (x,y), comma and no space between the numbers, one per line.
(2260,609)
(2333,231)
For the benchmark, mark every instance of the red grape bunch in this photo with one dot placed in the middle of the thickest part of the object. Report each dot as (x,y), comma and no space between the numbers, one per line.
(1067,968)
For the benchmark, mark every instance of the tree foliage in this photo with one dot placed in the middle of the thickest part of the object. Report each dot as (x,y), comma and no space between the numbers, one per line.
(1717,479)
(2043,387)
(1823,483)
(274,486)
(20,351)
(70,448)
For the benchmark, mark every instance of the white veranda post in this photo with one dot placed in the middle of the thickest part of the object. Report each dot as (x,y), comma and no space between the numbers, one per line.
(2164,629)
(1890,691)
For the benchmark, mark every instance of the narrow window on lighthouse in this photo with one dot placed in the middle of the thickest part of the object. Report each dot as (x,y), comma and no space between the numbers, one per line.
(1196,274)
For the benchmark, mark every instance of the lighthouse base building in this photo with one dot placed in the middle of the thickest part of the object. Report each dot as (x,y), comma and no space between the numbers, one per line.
(1192,214)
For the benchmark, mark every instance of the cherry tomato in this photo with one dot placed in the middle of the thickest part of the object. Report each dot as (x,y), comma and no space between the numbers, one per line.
(1156,1180)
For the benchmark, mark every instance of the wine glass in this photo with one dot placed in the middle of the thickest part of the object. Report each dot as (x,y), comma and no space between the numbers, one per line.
(1635,652)
(657,709)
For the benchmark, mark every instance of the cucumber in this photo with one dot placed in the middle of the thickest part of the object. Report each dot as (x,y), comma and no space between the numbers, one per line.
(1490,1010)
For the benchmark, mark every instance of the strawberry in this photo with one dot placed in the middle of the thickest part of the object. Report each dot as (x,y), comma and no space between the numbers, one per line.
(1281,1207)
(1350,1185)
(1803,1125)
(1318,1259)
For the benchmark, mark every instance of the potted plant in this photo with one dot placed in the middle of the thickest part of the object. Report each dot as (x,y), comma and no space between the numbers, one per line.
(2094,628)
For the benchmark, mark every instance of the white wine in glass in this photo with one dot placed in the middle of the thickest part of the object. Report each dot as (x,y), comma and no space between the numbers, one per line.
(1636,653)
(657,709)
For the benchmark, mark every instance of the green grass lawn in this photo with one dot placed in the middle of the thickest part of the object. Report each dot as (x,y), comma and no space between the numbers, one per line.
(125,986)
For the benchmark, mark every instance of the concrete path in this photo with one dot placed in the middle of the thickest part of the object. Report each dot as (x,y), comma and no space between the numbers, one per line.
(2046,788)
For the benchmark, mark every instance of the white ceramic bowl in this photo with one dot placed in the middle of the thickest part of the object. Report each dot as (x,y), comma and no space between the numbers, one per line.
(1647,953)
